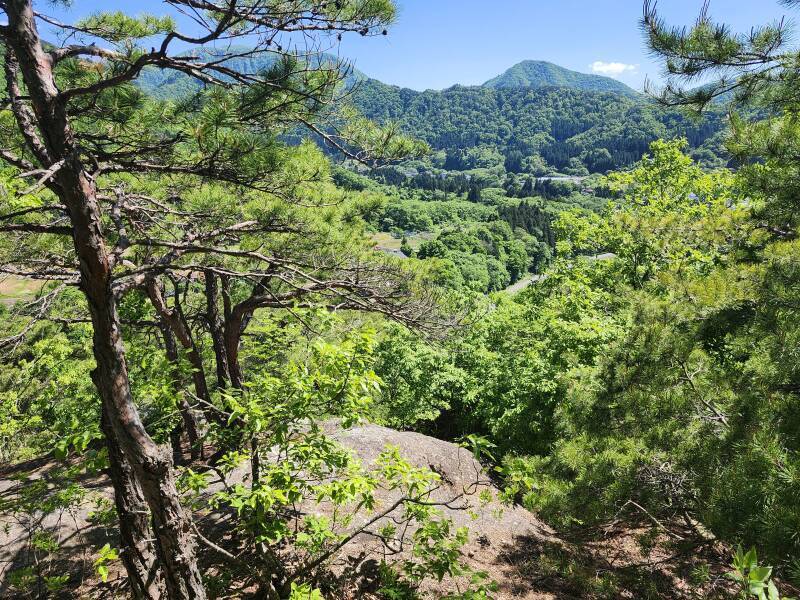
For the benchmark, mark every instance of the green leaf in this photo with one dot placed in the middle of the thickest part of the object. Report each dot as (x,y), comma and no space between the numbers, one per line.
(773,591)
(756,587)
(750,559)
(760,574)
(102,570)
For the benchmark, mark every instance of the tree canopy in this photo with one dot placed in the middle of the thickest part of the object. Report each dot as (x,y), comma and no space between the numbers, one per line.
(212,283)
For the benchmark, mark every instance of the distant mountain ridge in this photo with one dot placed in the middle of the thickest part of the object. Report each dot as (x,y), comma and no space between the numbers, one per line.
(538,73)
(573,122)
(167,84)
(526,74)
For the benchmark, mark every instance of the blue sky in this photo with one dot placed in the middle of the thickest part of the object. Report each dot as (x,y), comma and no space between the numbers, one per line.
(438,43)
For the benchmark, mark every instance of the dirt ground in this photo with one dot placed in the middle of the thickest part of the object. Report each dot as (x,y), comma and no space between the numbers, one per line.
(14,289)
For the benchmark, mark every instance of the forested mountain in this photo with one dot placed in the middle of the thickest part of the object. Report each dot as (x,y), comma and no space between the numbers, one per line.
(570,129)
(566,121)
(237,366)
(539,73)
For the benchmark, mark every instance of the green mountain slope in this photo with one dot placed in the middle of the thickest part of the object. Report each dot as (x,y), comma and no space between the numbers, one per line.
(574,122)
(537,74)
(568,128)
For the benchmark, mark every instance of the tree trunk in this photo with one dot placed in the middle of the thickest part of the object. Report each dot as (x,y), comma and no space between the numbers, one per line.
(216,329)
(139,554)
(174,320)
(175,440)
(237,318)
(152,467)
(233,336)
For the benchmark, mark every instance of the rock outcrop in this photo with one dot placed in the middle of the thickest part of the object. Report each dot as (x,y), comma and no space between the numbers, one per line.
(500,541)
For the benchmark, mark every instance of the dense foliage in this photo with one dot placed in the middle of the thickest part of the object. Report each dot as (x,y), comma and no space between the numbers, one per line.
(660,377)
(536,118)
(537,73)
(570,130)
(208,300)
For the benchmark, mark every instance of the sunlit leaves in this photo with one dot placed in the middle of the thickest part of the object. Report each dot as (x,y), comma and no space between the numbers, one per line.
(107,556)
(118,26)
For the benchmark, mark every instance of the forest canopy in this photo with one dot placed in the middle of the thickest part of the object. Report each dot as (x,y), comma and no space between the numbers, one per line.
(272,329)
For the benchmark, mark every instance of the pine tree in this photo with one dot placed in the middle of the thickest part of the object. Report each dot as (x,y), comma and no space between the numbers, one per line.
(79,120)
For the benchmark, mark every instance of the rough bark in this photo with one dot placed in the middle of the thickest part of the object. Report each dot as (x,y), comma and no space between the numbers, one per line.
(151,465)
(233,336)
(216,328)
(139,553)
(237,319)
(179,328)
(175,440)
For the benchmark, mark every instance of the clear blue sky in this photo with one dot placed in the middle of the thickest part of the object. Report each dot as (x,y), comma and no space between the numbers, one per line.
(438,43)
